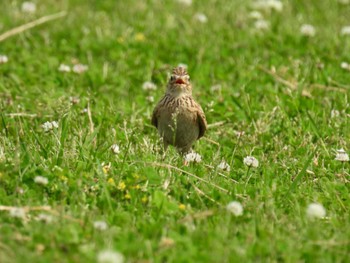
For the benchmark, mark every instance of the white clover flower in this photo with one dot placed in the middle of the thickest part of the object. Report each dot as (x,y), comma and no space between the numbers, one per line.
(345,65)
(307,30)
(235,208)
(315,210)
(3,59)
(18,212)
(261,24)
(193,157)
(28,7)
(109,256)
(80,68)
(41,180)
(201,18)
(268,5)
(185,2)
(54,124)
(115,148)
(256,15)
(224,166)
(48,126)
(150,98)
(64,68)
(251,161)
(335,113)
(100,225)
(342,156)
(45,218)
(345,31)
(148,85)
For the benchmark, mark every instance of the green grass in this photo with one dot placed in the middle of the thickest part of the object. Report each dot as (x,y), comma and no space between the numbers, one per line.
(125,43)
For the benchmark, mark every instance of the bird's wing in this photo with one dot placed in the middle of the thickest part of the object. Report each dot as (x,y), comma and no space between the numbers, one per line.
(202,121)
(154,117)
(155,114)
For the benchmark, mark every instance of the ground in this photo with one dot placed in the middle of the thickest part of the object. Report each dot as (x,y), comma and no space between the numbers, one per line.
(268,91)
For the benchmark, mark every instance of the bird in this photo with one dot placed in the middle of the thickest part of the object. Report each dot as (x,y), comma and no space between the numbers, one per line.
(179,119)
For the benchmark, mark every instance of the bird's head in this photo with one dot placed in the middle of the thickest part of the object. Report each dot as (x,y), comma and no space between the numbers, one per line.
(179,83)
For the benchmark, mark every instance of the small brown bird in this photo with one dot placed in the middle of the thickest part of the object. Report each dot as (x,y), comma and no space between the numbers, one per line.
(179,119)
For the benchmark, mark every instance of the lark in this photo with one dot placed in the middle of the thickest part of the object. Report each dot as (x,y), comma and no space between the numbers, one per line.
(180,120)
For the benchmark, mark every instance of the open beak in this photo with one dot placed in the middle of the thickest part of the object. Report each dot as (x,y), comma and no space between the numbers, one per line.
(180,81)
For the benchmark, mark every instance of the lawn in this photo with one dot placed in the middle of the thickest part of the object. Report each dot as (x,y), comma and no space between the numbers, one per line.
(82,173)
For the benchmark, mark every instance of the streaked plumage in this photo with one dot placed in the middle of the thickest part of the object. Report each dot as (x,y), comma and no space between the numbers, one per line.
(179,119)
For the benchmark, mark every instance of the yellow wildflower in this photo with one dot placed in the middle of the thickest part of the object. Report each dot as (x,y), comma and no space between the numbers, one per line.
(127,196)
(144,199)
(121,186)
(111,181)
(182,207)
(140,37)
(63,178)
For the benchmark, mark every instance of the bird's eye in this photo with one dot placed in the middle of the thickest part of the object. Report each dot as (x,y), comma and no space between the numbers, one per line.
(172,78)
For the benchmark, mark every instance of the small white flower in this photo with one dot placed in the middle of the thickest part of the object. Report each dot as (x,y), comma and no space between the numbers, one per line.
(150,98)
(64,68)
(115,149)
(41,180)
(307,30)
(110,256)
(315,210)
(28,7)
(185,2)
(45,218)
(255,15)
(3,59)
(335,113)
(80,68)
(224,166)
(342,156)
(148,85)
(18,212)
(345,65)
(251,161)
(261,24)
(268,5)
(193,157)
(182,65)
(235,208)
(345,31)
(201,18)
(54,124)
(48,126)
(100,225)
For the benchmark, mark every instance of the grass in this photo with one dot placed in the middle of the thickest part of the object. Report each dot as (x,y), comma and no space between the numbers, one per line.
(277,86)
